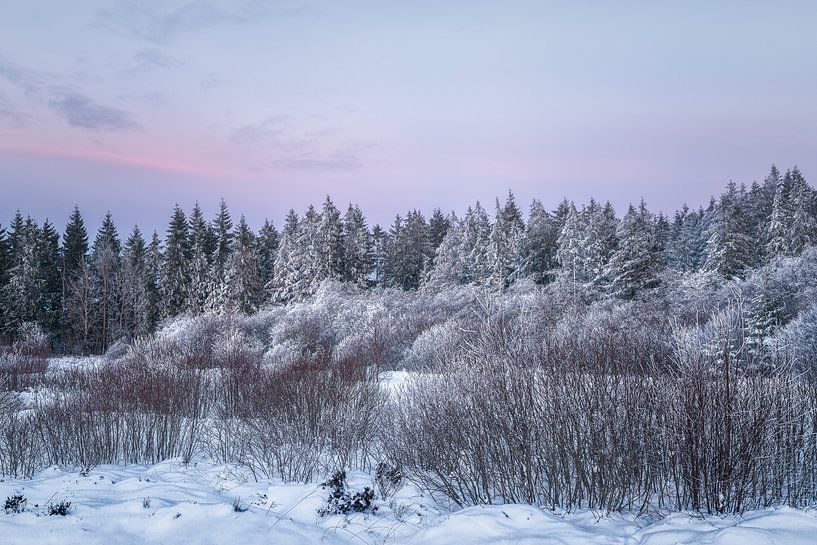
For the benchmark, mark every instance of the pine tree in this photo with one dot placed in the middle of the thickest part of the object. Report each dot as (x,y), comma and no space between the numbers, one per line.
(357,247)
(49,314)
(154,264)
(5,255)
(267,249)
(281,287)
(540,244)
(74,258)
(476,243)
(416,250)
(223,236)
(21,296)
(506,246)
(330,243)
(135,314)
(778,236)
(307,256)
(5,266)
(438,225)
(394,257)
(763,316)
(449,261)
(570,253)
(75,243)
(175,283)
(636,263)
(678,252)
(380,242)
(245,287)
(729,248)
(105,271)
(803,232)
(203,280)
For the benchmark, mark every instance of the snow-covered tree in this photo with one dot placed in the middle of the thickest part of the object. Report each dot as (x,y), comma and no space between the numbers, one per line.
(636,264)
(506,244)
(175,283)
(729,248)
(245,287)
(330,243)
(540,244)
(357,247)
(203,279)
(266,244)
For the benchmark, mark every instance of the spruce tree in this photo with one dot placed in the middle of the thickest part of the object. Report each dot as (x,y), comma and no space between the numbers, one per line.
(281,287)
(570,253)
(175,283)
(74,243)
(20,297)
(135,313)
(506,246)
(330,242)
(357,247)
(541,236)
(223,236)
(49,314)
(203,280)
(267,243)
(245,287)
(729,248)
(154,264)
(803,231)
(778,231)
(105,271)
(636,263)
(438,225)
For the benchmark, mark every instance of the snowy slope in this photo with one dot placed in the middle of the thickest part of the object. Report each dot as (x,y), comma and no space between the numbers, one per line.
(170,503)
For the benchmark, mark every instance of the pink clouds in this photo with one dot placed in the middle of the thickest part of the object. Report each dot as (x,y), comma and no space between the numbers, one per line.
(128,160)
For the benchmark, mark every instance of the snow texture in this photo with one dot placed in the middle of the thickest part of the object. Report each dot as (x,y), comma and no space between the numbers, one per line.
(172,503)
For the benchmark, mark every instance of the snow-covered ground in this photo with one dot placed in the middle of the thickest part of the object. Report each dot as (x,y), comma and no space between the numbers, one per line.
(171,503)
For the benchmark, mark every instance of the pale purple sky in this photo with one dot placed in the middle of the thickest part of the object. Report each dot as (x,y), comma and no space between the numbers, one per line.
(133,106)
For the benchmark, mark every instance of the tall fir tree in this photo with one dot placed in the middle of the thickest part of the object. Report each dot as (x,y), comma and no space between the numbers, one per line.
(357,247)
(203,281)
(282,286)
(330,242)
(50,307)
(223,245)
(636,264)
(506,246)
(541,235)
(245,287)
(729,248)
(175,283)
(105,272)
(267,243)
(803,230)
(20,297)
(778,241)
(154,265)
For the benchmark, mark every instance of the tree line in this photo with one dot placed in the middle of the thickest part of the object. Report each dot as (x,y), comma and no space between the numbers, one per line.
(87,294)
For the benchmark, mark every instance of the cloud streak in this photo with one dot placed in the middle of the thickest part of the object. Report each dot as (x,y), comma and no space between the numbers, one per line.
(85,154)
(160,23)
(81,112)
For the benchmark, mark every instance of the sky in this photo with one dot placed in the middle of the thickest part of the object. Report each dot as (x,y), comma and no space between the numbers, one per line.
(135,106)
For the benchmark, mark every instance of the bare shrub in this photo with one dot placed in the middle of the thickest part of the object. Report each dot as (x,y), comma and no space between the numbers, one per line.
(298,422)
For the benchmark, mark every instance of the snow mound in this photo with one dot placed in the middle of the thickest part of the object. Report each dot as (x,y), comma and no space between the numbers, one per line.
(171,503)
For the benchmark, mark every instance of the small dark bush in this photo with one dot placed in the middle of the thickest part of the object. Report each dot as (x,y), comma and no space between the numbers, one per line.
(342,501)
(59,509)
(15,504)
(388,478)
